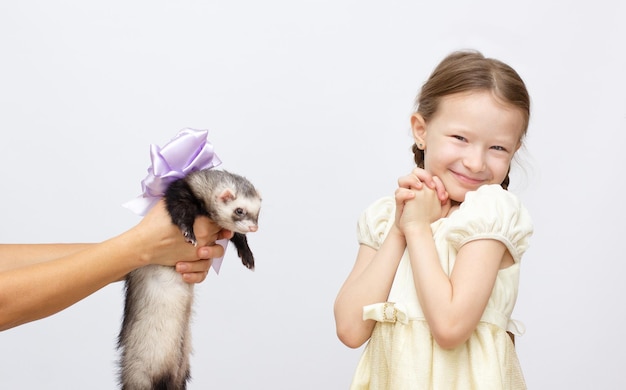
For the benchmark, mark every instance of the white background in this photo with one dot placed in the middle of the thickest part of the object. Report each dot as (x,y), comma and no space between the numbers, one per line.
(311,101)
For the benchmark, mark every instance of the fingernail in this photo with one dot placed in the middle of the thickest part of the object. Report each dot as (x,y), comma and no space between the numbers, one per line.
(183,267)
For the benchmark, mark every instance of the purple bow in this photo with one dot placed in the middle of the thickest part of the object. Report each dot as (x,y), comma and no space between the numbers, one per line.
(189,151)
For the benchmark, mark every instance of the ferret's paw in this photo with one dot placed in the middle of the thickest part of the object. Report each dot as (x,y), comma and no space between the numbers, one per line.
(248,260)
(190,238)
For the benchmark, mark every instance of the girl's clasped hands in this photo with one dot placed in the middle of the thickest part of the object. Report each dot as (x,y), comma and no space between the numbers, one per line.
(421,199)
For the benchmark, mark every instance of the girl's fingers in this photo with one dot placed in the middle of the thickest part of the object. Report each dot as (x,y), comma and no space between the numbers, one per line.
(410,181)
(425,177)
(442,194)
(417,179)
(404,194)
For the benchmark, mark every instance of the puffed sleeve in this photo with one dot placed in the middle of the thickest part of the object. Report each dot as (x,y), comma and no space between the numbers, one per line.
(492,213)
(375,221)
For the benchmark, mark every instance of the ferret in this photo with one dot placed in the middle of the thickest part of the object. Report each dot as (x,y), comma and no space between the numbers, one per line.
(155,338)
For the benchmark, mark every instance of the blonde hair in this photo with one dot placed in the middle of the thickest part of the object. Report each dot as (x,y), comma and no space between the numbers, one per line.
(469,70)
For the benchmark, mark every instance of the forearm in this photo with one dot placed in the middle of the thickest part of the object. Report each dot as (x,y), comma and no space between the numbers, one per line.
(432,285)
(14,256)
(369,282)
(45,287)
(451,313)
(39,280)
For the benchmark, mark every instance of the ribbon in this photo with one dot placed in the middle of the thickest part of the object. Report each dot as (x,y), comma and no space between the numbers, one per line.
(189,151)
(386,312)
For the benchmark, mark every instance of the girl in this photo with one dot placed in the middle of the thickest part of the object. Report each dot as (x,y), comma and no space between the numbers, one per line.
(436,275)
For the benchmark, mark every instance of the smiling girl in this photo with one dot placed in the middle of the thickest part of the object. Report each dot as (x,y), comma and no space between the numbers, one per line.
(436,275)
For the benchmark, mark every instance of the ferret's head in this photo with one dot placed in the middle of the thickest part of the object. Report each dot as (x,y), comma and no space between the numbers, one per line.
(230,200)
(237,211)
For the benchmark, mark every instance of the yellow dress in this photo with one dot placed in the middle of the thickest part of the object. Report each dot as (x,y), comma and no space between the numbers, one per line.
(401,353)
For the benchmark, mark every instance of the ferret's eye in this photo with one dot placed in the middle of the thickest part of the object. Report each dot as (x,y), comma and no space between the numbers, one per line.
(239,211)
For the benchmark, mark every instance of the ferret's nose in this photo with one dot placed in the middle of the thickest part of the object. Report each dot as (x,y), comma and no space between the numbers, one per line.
(254,228)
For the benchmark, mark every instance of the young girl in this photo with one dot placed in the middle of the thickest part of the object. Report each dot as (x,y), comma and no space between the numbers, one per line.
(436,275)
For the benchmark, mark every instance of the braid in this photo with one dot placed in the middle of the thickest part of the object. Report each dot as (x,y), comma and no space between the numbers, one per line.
(505,183)
(418,156)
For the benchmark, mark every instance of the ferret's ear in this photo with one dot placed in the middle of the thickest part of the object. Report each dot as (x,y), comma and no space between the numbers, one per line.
(227,195)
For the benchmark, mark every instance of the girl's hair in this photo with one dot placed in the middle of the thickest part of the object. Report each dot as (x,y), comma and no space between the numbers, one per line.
(469,70)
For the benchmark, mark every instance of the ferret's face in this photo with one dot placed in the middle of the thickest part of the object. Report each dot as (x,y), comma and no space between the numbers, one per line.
(240,215)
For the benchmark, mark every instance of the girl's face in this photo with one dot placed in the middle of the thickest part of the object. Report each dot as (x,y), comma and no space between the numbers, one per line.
(470,141)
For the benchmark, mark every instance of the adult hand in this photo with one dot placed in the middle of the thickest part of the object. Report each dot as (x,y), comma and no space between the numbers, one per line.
(161,242)
(206,232)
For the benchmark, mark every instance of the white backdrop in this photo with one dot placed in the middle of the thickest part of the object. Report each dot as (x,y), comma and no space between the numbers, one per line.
(311,101)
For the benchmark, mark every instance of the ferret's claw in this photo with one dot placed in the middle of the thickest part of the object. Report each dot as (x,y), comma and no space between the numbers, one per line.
(190,238)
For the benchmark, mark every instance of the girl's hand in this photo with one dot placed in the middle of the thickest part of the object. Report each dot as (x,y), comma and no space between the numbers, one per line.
(420,177)
(420,209)
(417,190)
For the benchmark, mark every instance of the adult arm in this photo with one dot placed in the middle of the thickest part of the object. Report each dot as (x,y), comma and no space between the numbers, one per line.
(39,280)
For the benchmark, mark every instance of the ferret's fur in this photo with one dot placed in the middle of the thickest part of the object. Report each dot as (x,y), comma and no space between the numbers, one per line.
(155,340)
